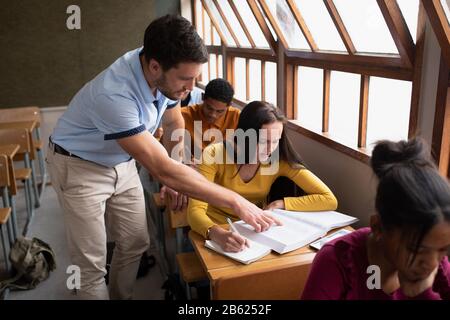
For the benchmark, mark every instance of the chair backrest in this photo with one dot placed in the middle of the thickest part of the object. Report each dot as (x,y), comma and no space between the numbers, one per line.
(31,113)
(177,218)
(283,187)
(4,171)
(269,284)
(17,136)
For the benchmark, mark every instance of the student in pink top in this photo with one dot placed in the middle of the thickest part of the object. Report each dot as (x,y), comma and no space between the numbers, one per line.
(408,240)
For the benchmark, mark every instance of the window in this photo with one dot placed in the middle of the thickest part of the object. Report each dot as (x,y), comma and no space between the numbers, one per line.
(286,21)
(269,25)
(388,114)
(255,80)
(199,17)
(344,107)
(212,67)
(205,73)
(251,23)
(446,6)
(320,25)
(410,11)
(207,29)
(234,22)
(271,82)
(310,97)
(220,66)
(216,37)
(240,86)
(327,39)
(366,26)
(218,18)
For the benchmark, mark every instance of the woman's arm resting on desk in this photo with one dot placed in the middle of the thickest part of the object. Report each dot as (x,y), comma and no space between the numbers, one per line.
(318,196)
(151,154)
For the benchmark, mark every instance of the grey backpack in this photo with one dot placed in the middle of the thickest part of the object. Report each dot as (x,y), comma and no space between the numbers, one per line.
(32,260)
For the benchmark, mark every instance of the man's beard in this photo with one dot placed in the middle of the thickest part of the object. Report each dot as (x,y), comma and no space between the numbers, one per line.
(162,86)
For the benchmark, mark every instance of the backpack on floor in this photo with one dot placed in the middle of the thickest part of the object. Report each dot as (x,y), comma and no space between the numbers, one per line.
(32,261)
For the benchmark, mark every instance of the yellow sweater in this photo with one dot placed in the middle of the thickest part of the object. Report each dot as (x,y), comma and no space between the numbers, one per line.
(202,216)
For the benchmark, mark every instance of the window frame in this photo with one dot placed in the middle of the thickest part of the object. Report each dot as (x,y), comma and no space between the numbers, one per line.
(406,65)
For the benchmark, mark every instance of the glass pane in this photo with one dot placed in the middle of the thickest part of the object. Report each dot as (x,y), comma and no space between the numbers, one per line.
(222,26)
(366,26)
(198,20)
(320,24)
(251,23)
(205,73)
(410,11)
(310,97)
(272,31)
(271,82)
(234,22)
(446,6)
(286,21)
(344,107)
(220,62)
(207,28)
(216,37)
(240,86)
(255,79)
(389,107)
(212,67)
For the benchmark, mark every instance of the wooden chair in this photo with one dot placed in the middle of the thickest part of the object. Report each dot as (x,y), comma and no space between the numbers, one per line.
(189,266)
(5,212)
(191,270)
(4,219)
(30,113)
(271,284)
(21,138)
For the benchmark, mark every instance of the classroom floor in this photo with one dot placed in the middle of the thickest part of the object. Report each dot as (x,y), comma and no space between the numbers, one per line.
(48,225)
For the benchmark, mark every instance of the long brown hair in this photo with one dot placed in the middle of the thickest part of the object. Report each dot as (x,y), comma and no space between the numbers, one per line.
(253,117)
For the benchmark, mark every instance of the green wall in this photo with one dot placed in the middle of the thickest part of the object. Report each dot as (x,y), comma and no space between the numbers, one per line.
(43,63)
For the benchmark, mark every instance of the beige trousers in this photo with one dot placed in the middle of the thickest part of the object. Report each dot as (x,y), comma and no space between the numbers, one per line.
(87,192)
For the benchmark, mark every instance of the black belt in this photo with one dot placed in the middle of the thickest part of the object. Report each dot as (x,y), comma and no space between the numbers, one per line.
(58,149)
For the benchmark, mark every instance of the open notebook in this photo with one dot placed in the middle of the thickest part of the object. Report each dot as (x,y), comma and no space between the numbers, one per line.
(298,230)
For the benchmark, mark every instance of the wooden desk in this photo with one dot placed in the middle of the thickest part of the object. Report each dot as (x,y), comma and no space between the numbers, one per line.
(27,125)
(30,125)
(20,114)
(10,150)
(219,267)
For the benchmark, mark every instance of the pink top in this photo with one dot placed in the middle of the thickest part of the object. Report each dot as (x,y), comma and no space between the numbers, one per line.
(339,273)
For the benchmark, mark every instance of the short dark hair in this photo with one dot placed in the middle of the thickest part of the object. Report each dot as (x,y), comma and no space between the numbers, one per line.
(172,39)
(412,196)
(220,90)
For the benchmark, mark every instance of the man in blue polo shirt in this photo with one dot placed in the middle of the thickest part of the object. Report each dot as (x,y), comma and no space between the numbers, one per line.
(108,125)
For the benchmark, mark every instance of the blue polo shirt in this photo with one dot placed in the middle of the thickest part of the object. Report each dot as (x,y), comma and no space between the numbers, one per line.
(117,103)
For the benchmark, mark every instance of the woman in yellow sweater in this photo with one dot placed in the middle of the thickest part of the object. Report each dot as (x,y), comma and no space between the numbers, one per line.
(249,168)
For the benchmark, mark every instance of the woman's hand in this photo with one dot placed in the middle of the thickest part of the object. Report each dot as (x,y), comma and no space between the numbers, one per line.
(259,219)
(277,204)
(414,288)
(229,241)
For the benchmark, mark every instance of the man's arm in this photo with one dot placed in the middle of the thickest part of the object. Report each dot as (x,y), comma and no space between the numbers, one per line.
(151,154)
(173,120)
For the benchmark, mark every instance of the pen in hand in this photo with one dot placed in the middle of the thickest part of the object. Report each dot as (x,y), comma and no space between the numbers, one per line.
(233,229)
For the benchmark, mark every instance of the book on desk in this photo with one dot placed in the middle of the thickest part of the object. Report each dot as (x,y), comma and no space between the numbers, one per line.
(298,230)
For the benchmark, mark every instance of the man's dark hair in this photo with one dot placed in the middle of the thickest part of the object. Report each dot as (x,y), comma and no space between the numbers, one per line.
(172,39)
(220,90)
